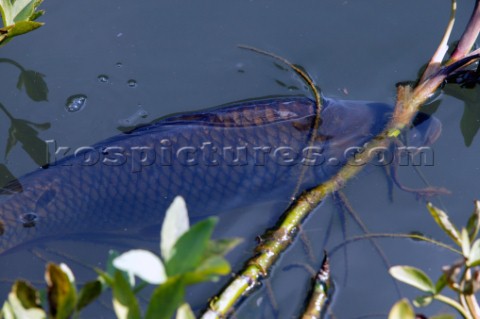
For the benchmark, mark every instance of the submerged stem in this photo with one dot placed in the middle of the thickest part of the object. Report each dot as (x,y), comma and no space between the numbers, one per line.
(409,100)
(321,293)
(388,235)
(318,102)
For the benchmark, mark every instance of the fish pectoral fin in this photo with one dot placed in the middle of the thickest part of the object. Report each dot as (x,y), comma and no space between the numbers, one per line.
(11,187)
(306,125)
(303,124)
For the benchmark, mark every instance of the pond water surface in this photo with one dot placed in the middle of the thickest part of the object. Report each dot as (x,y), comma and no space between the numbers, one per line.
(110,63)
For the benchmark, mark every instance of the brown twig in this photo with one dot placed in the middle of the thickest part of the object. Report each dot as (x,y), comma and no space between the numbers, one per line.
(469,36)
(409,100)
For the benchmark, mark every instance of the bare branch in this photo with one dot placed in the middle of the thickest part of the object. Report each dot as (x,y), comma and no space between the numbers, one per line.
(469,36)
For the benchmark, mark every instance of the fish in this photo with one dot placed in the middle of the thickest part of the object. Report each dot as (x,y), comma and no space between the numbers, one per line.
(217,159)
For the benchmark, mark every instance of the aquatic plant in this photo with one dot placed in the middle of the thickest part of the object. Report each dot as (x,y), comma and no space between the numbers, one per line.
(18,17)
(461,277)
(409,99)
(188,256)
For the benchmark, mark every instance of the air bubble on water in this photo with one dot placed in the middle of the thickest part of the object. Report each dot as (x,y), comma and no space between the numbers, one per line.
(132,83)
(103,78)
(76,103)
(240,67)
(125,122)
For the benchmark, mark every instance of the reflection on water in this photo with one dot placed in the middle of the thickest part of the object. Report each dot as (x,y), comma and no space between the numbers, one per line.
(470,122)
(23,131)
(32,81)
(26,133)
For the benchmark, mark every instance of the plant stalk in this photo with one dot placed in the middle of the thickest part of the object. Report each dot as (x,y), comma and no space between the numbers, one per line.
(321,293)
(275,242)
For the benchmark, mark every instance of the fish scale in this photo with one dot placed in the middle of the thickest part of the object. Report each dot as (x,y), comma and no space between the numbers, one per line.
(69,197)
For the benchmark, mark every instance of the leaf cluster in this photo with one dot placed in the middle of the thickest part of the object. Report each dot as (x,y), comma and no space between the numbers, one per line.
(188,256)
(61,300)
(18,18)
(462,276)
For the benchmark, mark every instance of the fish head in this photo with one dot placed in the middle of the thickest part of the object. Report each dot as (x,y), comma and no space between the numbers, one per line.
(347,126)
(425,130)
(352,123)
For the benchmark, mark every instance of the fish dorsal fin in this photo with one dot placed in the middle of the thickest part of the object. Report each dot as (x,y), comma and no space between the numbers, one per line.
(241,114)
(11,187)
(255,113)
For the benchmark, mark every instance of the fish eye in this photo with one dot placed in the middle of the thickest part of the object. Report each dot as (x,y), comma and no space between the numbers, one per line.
(29,219)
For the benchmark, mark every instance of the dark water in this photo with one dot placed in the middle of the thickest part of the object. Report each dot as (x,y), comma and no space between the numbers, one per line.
(168,57)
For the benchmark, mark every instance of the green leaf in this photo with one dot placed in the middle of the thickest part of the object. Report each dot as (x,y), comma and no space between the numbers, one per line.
(422,301)
(221,247)
(442,220)
(27,11)
(7,311)
(166,299)
(68,272)
(473,224)
(125,303)
(441,283)
(143,264)
(26,294)
(414,277)
(61,292)
(112,254)
(190,248)
(43,298)
(401,310)
(13,309)
(105,279)
(36,15)
(89,292)
(174,226)
(18,10)
(465,241)
(474,257)
(18,16)
(185,312)
(34,84)
(22,27)
(208,270)
(23,302)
